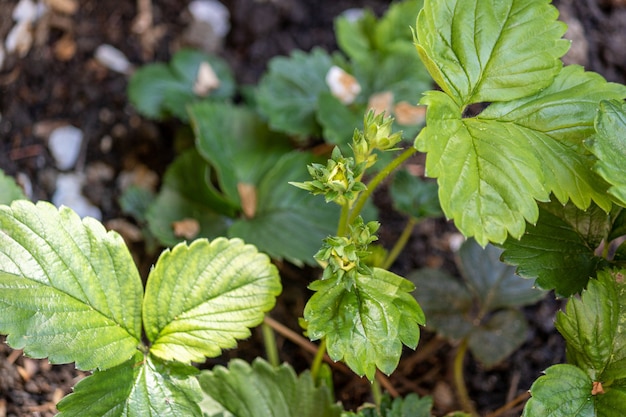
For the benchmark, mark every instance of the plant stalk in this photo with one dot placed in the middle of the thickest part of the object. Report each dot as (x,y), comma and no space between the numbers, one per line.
(378,178)
(269,340)
(317,360)
(459,380)
(400,243)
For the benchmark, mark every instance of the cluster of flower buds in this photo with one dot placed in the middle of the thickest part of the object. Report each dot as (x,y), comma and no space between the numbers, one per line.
(344,255)
(376,135)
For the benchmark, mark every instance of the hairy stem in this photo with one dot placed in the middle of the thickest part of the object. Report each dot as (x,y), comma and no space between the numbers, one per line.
(269,340)
(459,380)
(400,243)
(378,178)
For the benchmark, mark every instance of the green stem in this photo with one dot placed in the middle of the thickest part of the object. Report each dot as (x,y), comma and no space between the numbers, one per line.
(400,243)
(378,178)
(459,380)
(317,361)
(342,228)
(377,393)
(271,350)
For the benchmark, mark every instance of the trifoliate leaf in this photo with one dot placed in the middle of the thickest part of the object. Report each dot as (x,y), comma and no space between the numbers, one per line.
(498,336)
(139,387)
(289,91)
(187,193)
(69,290)
(564,391)
(160,90)
(414,196)
(233,286)
(365,325)
(559,253)
(288,223)
(486,51)
(9,190)
(594,327)
(237,144)
(261,390)
(609,146)
(494,283)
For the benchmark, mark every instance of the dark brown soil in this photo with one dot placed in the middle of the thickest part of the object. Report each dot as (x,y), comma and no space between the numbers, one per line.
(54,84)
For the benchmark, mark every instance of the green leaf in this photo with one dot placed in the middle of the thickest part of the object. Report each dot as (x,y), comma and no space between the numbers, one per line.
(559,250)
(160,90)
(564,391)
(139,387)
(69,290)
(411,406)
(414,196)
(261,390)
(186,193)
(594,327)
(233,286)
(489,174)
(448,303)
(237,144)
(365,325)
(498,336)
(609,146)
(9,190)
(494,283)
(338,120)
(486,51)
(289,91)
(288,223)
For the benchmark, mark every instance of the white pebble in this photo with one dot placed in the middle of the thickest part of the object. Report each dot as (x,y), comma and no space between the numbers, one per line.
(212,12)
(20,38)
(113,59)
(69,193)
(342,85)
(353,15)
(65,143)
(26,11)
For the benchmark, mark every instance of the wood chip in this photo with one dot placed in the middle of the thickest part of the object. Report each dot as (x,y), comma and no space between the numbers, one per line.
(186,228)
(409,115)
(381,102)
(247,193)
(65,48)
(206,81)
(63,6)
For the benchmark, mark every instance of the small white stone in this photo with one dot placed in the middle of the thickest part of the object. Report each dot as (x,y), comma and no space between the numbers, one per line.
(353,15)
(20,38)
(26,11)
(113,59)
(65,143)
(342,85)
(212,12)
(69,193)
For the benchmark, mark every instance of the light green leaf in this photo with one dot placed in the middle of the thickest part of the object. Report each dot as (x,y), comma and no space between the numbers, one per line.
(414,196)
(233,286)
(261,390)
(486,51)
(237,144)
(564,391)
(499,336)
(494,283)
(9,190)
(609,146)
(489,174)
(69,290)
(560,250)
(594,327)
(365,325)
(139,387)
(160,90)
(186,193)
(448,303)
(288,223)
(289,91)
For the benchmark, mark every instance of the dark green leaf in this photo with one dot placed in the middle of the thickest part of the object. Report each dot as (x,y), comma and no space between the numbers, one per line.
(555,251)
(202,297)
(499,336)
(69,290)
(365,325)
(609,146)
(288,93)
(261,390)
(338,120)
(187,194)
(288,223)
(414,196)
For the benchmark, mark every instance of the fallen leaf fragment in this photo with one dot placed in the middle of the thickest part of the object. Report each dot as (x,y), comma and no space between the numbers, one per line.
(247,193)
(206,81)
(187,228)
(597,388)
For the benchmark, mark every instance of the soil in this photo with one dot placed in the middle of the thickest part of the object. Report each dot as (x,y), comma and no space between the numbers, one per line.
(59,81)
